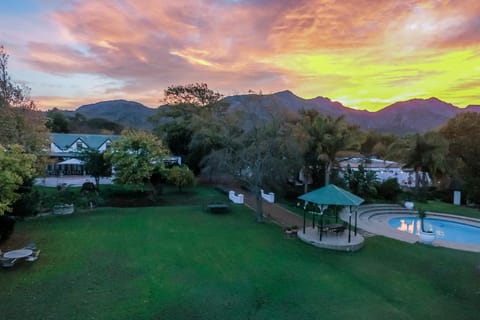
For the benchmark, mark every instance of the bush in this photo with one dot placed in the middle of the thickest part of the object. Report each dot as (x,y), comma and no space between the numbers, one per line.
(88,187)
(389,190)
(27,205)
(7,225)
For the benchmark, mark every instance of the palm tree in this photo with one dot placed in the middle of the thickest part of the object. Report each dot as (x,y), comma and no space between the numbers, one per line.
(428,156)
(324,138)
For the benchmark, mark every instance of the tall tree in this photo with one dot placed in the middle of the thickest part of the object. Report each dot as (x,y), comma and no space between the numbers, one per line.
(185,124)
(20,122)
(426,154)
(261,152)
(324,138)
(463,134)
(197,94)
(11,94)
(136,156)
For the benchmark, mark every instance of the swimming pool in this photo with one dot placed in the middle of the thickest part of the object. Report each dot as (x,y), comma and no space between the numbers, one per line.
(443,229)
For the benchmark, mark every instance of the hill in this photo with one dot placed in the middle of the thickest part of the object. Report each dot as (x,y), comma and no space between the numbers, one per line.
(128,113)
(411,116)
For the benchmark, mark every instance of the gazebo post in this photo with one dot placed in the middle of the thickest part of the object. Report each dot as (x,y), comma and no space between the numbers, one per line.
(321,225)
(313,220)
(349,223)
(322,208)
(304,215)
(304,219)
(355,221)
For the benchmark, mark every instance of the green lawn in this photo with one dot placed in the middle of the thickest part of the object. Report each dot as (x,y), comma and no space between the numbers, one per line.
(182,263)
(442,207)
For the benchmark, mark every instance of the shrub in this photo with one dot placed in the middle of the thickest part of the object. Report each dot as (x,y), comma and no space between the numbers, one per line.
(7,225)
(389,189)
(27,205)
(181,177)
(88,187)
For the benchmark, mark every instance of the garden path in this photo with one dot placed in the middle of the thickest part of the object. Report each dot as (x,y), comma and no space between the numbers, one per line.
(273,211)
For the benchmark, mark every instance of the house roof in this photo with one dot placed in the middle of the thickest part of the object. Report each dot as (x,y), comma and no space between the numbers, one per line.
(65,140)
(332,195)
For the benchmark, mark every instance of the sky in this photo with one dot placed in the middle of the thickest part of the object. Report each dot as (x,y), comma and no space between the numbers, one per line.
(366,54)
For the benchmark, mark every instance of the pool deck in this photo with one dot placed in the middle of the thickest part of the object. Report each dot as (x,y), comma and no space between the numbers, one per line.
(374,219)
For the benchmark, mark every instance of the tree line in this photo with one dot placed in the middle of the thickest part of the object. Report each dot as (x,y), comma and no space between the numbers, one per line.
(267,147)
(260,148)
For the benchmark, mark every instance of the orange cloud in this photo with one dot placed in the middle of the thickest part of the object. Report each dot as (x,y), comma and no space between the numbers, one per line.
(266,45)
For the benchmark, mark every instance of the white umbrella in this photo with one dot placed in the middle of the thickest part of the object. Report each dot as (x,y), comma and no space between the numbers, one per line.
(71,161)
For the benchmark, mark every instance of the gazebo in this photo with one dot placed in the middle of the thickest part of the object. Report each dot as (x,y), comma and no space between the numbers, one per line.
(330,195)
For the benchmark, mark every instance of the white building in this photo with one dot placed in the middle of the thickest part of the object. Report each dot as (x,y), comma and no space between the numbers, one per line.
(383,169)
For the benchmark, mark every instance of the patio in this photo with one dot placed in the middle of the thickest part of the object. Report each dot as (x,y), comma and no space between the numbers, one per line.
(331,240)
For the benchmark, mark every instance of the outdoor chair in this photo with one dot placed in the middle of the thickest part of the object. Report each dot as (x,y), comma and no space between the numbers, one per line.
(31,246)
(7,263)
(33,256)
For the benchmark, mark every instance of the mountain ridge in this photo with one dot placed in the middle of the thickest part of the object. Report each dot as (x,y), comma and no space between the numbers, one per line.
(403,117)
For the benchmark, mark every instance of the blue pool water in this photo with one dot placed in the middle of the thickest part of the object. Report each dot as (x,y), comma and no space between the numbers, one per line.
(443,229)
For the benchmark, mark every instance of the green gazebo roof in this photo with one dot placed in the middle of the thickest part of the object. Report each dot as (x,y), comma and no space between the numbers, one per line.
(332,195)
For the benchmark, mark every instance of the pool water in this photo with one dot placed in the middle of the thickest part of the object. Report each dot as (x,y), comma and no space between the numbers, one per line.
(443,229)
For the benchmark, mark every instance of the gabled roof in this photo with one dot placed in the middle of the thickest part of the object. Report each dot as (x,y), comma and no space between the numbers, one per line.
(65,140)
(332,195)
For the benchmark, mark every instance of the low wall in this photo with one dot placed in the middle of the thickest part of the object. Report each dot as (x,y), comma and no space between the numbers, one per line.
(236,199)
(269,197)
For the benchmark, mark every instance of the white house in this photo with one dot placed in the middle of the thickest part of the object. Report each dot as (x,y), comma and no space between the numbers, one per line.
(66,148)
(383,169)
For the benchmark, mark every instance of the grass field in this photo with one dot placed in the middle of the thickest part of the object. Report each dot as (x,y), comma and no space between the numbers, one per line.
(442,207)
(181,263)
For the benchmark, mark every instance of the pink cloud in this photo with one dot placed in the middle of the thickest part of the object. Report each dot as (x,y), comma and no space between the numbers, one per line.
(150,45)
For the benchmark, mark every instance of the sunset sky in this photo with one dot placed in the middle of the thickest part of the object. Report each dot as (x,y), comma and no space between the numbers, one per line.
(366,54)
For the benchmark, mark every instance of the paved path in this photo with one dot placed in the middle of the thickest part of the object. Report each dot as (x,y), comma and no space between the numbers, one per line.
(278,214)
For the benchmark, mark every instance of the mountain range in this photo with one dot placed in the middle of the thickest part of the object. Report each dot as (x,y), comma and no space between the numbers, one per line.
(412,116)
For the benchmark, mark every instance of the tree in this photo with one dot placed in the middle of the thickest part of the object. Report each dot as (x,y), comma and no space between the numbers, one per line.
(181,176)
(463,134)
(16,166)
(188,124)
(136,156)
(197,94)
(261,152)
(57,121)
(20,122)
(376,143)
(323,138)
(23,139)
(427,155)
(11,94)
(96,165)
(361,182)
